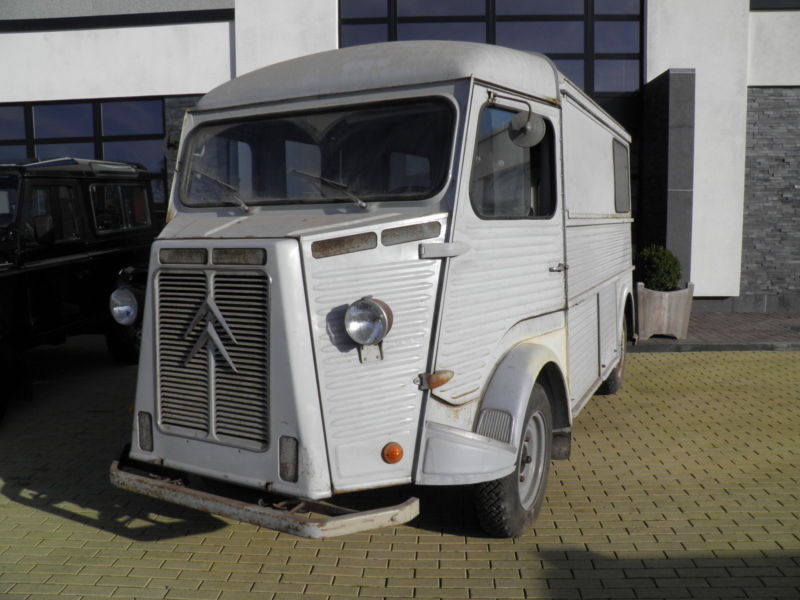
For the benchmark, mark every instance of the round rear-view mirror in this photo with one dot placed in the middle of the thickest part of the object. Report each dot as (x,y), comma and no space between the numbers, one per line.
(527,129)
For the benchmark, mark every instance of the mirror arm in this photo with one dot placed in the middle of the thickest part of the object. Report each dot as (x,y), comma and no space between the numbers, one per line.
(494,96)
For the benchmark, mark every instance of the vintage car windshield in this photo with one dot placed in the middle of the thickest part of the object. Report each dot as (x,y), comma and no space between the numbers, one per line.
(8,199)
(397,151)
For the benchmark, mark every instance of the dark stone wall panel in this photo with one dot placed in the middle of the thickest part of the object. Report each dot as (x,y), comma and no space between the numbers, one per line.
(771,237)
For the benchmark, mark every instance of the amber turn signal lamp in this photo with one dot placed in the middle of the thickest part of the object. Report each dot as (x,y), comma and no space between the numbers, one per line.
(431,381)
(392,453)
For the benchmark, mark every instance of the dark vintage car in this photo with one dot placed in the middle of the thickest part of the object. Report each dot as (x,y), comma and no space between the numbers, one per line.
(70,229)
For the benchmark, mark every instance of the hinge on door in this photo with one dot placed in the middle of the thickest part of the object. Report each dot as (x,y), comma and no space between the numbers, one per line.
(559,268)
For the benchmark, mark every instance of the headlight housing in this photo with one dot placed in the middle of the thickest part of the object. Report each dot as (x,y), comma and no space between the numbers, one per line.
(124,306)
(368,320)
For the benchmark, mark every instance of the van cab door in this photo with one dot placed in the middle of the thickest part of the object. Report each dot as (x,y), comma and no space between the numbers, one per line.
(52,255)
(508,218)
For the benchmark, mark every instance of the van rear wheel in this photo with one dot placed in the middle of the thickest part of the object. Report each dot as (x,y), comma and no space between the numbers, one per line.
(507,506)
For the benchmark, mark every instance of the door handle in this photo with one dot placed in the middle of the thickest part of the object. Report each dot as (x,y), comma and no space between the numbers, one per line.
(559,268)
(443,249)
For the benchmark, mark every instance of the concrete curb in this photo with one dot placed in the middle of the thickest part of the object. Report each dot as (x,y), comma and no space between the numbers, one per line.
(692,346)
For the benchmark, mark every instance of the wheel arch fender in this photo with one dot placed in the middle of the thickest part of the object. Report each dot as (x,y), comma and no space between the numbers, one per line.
(629,314)
(505,401)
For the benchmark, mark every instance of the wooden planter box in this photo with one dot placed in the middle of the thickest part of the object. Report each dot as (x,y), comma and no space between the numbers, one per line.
(663,313)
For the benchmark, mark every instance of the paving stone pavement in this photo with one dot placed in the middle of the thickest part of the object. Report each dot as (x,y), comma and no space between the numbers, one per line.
(715,331)
(684,485)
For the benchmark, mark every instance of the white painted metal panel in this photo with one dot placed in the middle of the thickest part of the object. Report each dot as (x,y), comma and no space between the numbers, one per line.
(366,405)
(503,279)
(588,164)
(597,254)
(583,347)
(609,328)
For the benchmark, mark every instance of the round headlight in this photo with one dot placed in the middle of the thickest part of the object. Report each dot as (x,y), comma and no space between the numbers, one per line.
(123,306)
(367,321)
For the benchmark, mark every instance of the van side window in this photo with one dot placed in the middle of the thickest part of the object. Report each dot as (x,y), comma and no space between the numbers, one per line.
(118,207)
(51,214)
(508,181)
(622,174)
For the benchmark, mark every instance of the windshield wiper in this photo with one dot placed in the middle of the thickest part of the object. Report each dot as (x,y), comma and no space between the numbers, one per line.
(337,185)
(227,186)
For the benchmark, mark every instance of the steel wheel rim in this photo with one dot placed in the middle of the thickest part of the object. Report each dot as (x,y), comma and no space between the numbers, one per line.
(531,460)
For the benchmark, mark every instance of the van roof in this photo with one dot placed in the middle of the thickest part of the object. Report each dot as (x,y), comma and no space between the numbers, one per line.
(388,65)
(74,167)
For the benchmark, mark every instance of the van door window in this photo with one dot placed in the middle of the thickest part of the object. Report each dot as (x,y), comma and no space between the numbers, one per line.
(51,215)
(118,207)
(508,181)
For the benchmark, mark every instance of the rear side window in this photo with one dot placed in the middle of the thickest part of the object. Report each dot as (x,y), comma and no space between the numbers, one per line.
(119,207)
(509,181)
(51,215)
(622,178)
(8,200)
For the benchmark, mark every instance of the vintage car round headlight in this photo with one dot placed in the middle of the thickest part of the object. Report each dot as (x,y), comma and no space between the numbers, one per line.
(367,321)
(123,306)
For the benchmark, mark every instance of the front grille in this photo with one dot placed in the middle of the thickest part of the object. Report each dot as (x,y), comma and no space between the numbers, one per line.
(213,355)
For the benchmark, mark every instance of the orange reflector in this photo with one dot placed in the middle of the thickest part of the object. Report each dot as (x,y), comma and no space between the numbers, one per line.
(392,453)
(439,378)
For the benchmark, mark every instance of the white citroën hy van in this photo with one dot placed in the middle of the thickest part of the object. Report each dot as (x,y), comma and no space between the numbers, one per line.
(388,264)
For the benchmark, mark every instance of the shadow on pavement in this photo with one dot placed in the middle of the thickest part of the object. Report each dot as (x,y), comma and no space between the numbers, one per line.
(55,450)
(581,574)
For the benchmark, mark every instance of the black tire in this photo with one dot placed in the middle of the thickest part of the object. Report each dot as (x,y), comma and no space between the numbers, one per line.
(613,382)
(504,507)
(124,342)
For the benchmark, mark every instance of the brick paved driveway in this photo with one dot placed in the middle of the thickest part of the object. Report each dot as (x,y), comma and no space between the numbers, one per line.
(686,485)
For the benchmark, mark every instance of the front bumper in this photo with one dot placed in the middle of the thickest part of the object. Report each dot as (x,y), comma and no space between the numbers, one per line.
(341,521)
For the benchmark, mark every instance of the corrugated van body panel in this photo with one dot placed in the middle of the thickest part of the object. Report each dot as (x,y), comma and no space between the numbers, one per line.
(504,279)
(597,254)
(583,350)
(609,325)
(368,404)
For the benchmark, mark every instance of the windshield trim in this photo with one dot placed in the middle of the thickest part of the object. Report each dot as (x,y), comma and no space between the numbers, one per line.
(437,188)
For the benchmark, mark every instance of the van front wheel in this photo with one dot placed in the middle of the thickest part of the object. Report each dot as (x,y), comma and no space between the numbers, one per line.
(506,506)
(123,342)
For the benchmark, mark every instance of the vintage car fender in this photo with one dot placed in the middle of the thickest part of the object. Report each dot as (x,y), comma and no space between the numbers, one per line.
(452,456)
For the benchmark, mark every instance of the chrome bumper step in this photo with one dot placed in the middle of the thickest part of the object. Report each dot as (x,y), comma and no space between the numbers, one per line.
(344,522)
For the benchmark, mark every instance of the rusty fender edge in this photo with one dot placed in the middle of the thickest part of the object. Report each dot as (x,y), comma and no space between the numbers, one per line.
(265,516)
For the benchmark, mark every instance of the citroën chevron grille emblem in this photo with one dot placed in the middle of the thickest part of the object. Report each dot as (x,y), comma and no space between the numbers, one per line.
(209,338)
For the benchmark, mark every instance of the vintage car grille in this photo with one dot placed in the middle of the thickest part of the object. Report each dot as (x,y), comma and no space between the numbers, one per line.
(202,392)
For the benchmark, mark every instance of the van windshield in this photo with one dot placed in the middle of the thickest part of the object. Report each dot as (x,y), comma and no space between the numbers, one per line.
(397,151)
(8,199)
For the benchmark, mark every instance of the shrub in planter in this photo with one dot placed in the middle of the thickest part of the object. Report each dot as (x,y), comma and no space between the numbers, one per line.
(658,269)
(663,308)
